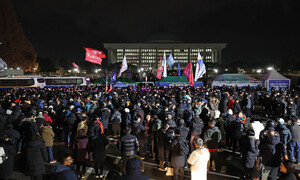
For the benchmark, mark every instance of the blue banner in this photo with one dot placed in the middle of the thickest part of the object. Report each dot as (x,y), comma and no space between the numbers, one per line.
(283,84)
(177,84)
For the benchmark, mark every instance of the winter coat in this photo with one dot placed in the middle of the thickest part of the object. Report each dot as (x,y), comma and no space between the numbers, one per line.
(271,150)
(177,160)
(236,108)
(99,148)
(184,131)
(6,168)
(188,115)
(62,172)
(36,155)
(47,135)
(284,133)
(248,150)
(71,119)
(161,140)
(105,114)
(197,126)
(13,134)
(3,120)
(227,122)
(171,123)
(133,171)
(292,109)
(236,129)
(29,128)
(212,136)
(295,131)
(138,130)
(80,149)
(128,144)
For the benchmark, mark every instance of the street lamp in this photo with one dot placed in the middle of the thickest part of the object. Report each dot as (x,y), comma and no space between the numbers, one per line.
(216,71)
(269,68)
(258,71)
(18,68)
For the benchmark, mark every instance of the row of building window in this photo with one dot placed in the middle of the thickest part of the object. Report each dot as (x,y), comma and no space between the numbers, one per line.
(162,50)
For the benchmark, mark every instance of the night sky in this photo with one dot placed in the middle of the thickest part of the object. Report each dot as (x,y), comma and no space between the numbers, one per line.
(254,30)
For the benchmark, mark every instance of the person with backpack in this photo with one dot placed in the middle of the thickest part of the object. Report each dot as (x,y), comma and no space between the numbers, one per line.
(7,155)
(178,154)
(198,160)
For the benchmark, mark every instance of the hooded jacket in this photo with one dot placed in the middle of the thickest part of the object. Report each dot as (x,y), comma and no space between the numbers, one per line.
(133,171)
(63,172)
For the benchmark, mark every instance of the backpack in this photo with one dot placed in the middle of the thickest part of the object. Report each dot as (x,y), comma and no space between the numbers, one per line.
(3,156)
(183,148)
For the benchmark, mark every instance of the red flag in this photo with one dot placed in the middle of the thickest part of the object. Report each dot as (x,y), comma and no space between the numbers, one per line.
(189,74)
(94,55)
(75,65)
(160,70)
(110,88)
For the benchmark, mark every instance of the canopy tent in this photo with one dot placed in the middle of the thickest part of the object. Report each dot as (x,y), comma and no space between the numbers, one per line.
(119,84)
(235,79)
(275,80)
(176,81)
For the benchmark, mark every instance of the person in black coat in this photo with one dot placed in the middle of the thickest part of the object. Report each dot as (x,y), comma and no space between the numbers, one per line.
(138,130)
(271,151)
(227,122)
(6,168)
(36,155)
(236,133)
(99,153)
(14,135)
(133,170)
(127,145)
(196,129)
(177,160)
(236,107)
(248,149)
(184,130)
(161,141)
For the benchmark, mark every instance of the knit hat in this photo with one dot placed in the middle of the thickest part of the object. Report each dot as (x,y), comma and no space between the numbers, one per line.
(40,115)
(230,112)
(8,112)
(281,121)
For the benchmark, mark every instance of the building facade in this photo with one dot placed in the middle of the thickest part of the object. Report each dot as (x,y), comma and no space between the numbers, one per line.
(147,55)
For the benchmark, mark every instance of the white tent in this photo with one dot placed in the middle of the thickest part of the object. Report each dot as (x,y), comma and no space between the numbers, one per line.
(275,80)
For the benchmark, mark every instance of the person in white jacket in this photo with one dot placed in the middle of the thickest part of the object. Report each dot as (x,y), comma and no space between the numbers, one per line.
(198,160)
(257,126)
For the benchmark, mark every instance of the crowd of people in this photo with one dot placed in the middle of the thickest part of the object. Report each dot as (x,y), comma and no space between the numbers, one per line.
(175,127)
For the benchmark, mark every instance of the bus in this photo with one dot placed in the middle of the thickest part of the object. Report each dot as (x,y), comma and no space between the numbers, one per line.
(22,82)
(65,81)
